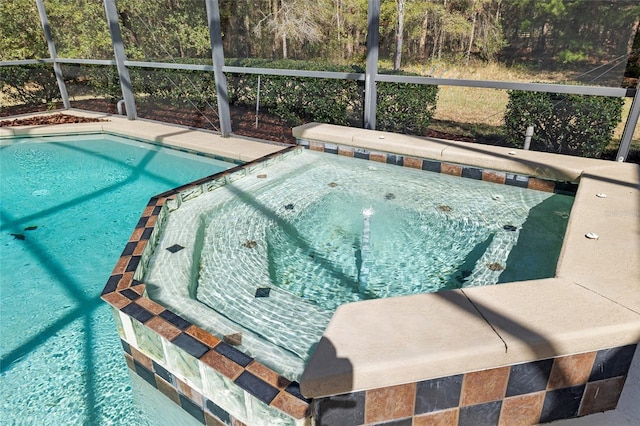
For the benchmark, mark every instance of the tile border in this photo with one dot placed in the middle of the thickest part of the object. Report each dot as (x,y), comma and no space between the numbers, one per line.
(442,400)
(453,169)
(126,293)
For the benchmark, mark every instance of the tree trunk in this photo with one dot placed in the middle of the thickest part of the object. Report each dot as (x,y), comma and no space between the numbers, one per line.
(399,37)
(473,29)
(422,46)
(284,45)
(441,35)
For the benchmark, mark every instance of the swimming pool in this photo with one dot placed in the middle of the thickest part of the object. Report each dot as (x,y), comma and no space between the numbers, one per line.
(67,204)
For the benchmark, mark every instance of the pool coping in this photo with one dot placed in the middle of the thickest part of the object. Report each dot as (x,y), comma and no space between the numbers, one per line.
(592,303)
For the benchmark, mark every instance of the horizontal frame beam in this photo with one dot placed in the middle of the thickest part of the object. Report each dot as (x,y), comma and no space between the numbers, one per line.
(486,84)
(168,65)
(508,85)
(295,73)
(25,62)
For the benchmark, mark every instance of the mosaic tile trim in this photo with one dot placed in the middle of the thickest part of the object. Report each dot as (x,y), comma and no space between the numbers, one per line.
(521,394)
(493,176)
(161,336)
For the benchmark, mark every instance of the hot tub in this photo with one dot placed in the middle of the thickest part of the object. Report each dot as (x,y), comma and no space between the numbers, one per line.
(527,351)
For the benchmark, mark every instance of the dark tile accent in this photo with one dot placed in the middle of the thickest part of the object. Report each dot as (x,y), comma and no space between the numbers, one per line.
(486,414)
(112,284)
(340,410)
(163,372)
(529,377)
(191,345)
(331,149)
(176,320)
(192,408)
(153,201)
(262,292)
(125,346)
(146,234)
(612,362)
(156,210)
(601,396)
(256,387)
(175,248)
(438,394)
(218,412)
(395,159)
(233,354)
(135,283)
(472,173)
(143,372)
(294,389)
(517,180)
(138,312)
(561,403)
(361,153)
(128,249)
(142,222)
(566,188)
(129,294)
(401,422)
(431,166)
(133,264)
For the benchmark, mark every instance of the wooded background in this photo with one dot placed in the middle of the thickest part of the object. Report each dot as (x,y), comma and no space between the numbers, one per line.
(576,36)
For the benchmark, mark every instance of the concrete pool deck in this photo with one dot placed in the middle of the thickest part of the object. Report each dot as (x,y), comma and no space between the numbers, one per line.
(180,137)
(593,302)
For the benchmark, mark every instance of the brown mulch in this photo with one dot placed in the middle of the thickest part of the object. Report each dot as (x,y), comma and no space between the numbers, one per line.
(243,120)
(49,119)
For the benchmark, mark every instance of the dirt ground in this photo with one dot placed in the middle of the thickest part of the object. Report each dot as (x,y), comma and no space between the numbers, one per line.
(243,120)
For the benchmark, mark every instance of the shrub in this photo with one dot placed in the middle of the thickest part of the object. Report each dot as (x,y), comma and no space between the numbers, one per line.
(298,99)
(579,125)
(405,108)
(29,84)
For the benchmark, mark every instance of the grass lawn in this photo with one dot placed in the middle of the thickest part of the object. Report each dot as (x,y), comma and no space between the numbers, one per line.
(478,113)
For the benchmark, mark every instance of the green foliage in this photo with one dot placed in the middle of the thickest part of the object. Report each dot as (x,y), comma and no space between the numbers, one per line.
(99,80)
(21,35)
(29,84)
(298,99)
(405,108)
(579,125)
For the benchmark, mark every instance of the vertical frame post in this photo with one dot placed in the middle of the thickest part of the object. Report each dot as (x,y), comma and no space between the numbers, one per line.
(118,52)
(629,127)
(371,72)
(217,54)
(44,20)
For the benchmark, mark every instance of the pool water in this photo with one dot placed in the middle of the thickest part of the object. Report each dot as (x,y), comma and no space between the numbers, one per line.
(67,206)
(285,246)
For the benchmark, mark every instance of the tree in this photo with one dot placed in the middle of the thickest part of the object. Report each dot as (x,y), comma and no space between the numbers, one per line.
(21,35)
(399,35)
(291,19)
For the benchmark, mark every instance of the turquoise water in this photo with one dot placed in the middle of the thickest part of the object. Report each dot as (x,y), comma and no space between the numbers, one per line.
(284,246)
(66,209)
